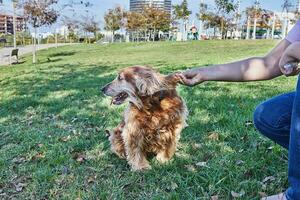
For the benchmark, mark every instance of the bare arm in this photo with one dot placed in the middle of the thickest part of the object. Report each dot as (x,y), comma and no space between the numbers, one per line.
(251,69)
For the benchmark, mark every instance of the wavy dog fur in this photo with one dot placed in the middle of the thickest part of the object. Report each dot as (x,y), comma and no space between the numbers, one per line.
(153,120)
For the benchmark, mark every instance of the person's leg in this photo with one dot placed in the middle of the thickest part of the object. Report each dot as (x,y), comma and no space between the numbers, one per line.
(293,193)
(272,118)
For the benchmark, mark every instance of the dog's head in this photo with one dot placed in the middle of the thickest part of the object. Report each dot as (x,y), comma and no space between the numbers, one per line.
(132,83)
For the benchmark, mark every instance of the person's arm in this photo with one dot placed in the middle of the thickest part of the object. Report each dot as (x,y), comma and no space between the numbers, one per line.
(294,51)
(251,69)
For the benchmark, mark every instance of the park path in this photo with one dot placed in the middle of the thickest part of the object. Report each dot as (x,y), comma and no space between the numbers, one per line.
(23,50)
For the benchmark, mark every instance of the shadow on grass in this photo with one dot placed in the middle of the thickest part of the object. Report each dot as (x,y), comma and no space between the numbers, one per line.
(63,53)
(50,60)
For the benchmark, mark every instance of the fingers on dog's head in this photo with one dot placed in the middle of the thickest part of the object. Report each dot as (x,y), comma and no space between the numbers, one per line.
(175,78)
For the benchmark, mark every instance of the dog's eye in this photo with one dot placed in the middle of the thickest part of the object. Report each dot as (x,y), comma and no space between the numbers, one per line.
(120,78)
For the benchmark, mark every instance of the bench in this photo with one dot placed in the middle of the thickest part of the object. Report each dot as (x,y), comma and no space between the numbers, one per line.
(14,53)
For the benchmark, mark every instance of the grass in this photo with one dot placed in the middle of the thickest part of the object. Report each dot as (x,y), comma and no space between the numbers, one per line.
(53,117)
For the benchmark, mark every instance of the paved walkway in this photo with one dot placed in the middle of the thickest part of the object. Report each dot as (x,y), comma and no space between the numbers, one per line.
(23,50)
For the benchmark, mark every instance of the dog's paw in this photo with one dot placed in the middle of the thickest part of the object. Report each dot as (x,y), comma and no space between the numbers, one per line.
(138,168)
(162,159)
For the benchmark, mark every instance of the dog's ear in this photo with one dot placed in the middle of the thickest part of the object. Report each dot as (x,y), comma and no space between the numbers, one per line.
(149,82)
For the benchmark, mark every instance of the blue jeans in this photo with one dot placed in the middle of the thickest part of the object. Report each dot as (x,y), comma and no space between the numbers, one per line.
(279,120)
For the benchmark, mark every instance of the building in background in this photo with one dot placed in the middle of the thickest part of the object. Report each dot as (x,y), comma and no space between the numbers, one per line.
(6,24)
(137,5)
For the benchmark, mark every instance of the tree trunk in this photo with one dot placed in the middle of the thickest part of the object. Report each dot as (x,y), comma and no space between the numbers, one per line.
(201,28)
(268,30)
(248,28)
(273,26)
(34,46)
(56,40)
(113,37)
(222,28)
(185,30)
(254,28)
(86,39)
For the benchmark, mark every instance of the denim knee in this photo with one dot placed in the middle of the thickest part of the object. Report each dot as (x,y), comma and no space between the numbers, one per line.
(272,124)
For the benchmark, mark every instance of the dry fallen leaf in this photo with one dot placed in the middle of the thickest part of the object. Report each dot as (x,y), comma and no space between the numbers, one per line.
(271,147)
(20,186)
(174,186)
(190,168)
(19,160)
(92,179)
(237,195)
(239,162)
(38,156)
(40,145)
(66,138)
(79,157)
(201,164)
(196,146)
(269,178)
(216,197)
(262,194)
(213,136)
(98,129)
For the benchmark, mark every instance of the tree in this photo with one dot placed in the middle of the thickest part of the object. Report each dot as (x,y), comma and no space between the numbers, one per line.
(225,9)
(181,12)
(114,20)
(156,20)
(212,20)
(72,25)
(90,25)
(254,13)
(38,14)
(136,24)
(202,15)
(147,23)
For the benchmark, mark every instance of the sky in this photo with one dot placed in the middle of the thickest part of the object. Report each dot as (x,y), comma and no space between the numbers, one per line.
(101,6)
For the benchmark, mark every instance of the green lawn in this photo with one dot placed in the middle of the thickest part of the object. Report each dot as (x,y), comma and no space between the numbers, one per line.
(53,117)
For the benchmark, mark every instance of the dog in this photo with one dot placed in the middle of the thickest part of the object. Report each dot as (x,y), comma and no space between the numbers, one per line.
(153,120)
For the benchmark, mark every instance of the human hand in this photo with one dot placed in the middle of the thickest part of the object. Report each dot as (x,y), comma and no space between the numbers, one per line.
(289,64)
(191,77)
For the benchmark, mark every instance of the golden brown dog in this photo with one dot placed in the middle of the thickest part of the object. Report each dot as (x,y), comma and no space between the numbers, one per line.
(153,120)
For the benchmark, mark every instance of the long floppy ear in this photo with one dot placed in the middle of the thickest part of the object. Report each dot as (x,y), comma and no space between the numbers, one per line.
(150,82)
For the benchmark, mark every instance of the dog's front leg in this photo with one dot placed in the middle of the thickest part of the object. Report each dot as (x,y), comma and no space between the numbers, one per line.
(116,140)
(134,147)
